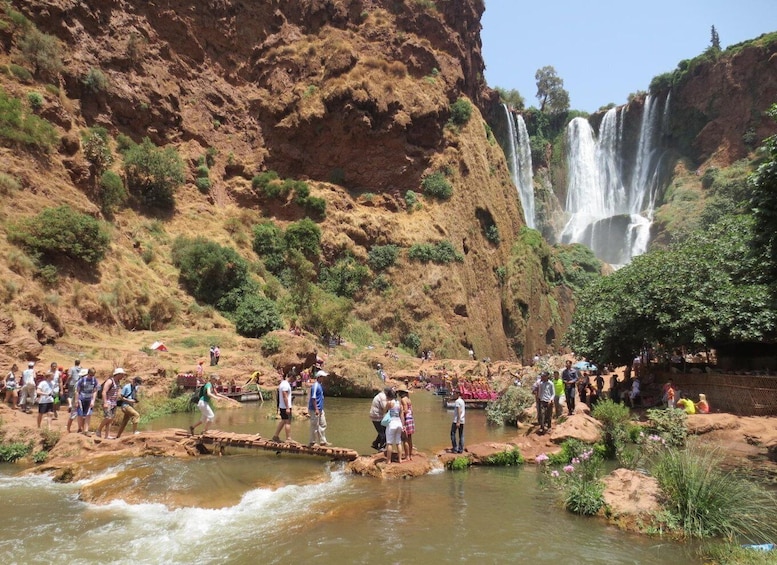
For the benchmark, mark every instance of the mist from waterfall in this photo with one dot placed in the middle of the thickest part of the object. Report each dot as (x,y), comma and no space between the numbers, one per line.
(519,162)
(611,210)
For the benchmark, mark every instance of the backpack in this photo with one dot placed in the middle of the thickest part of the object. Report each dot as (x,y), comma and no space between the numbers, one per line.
(195,398)
(100,390)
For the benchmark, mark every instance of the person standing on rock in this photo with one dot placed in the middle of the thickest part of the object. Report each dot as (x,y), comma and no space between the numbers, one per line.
(11,387)
(457,426)
(545,393)
(558,388)
(86,393)
(72,379)
(128,398)
(316,410)
(110,399)
(284,406)
(377,409)
(407,420)
(27,395)
(394,428)
(570,378)
(45,392)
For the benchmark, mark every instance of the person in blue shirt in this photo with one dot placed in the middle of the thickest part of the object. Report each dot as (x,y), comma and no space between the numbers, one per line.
(127,400)
(316,410)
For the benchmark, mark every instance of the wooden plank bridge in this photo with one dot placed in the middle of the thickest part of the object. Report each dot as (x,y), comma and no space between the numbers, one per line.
(219,440)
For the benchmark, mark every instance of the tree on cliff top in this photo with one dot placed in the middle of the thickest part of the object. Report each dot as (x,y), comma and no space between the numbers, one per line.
(550,91)
(763,184)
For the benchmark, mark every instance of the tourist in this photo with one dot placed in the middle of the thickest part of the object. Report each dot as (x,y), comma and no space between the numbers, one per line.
(408,420)
(582,387)
(110,397)
(199,371)
(545,393)
(205,405)
(457,426)
(216,355)
(569,376)
(316,410)
(284,405)
(558,389)
(614,386)
(86,392)
(128,398)
(668,394)
(535,389)
(56,385)
(686,404)
(635,395)
(377,409)
(45,392)
(394,428)
(27,395)
(73,375)
(212,355)
(599,383)
(11,386)
(702,407)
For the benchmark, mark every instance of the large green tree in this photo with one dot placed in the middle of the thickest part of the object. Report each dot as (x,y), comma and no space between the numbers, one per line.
(550,91)
(763,185)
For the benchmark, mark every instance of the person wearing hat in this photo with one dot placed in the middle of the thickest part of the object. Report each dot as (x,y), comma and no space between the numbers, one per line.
(128,398)
(316,410)
(70,384)
(408,421)
(27,394)
(110,398)
(86,393)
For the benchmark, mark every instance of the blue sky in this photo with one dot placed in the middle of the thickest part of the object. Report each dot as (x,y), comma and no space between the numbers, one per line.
(606,49)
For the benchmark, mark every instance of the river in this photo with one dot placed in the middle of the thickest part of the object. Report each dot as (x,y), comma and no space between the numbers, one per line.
(253,507)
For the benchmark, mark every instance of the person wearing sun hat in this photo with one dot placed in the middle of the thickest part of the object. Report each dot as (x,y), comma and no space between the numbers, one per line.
(27,394)
(110,397)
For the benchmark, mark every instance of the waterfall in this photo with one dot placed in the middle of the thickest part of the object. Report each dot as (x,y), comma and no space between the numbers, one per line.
(519,161)
(611,211)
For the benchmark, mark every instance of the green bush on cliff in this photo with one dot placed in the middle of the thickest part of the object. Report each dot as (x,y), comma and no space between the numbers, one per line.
(441,253)
(208,270)
(461,111)
(62,231)
(16,126)
(257,316)
(153,174)
(436,185)
(381,257)
(345,278)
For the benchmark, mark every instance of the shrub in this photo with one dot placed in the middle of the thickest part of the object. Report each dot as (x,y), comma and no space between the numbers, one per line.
(49,438)
(581,266)
(459,463)
(615,419)
(261,181)
(12,452)
(412,342)
(27,129)
(381,283)
(41,51)
(304,236)
(153,174)
(256,316)
(381,257)
(95,80)
(202,184)
(507,409)
(437,186)
(441,253)
(231,300)
(579,482)
(508,458)
(461,111)
(20,72)
(8,184)
(270,246)
(40,457)
(411,200)
(584,497)
(270,344)
(707,501)
(113,195)
(35,99)
(55,232)
(572,448)
(669,424)
(316,206)
(96,149)
(49,275)
(492,234)
(344,278)
(208,270)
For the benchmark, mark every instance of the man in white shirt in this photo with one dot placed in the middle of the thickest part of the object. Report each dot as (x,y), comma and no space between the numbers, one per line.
(27,394)
(377,409)
(457,426)
(284,405)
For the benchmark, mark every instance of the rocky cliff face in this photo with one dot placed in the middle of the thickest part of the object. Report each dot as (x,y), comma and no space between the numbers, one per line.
(353,96)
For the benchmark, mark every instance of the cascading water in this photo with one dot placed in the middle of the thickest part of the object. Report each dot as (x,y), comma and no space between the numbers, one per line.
(611,212)
(519,161)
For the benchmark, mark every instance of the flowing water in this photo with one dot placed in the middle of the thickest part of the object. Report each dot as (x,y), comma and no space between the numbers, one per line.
(251,507)
(520,164)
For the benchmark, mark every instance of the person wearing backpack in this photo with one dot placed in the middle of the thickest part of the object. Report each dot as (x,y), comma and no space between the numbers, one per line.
(86,392)
(205,404)
(110,393)
(127,402)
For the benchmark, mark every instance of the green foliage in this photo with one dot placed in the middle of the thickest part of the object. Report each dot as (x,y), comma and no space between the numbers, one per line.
(20,72)
(550,91)
(113,195)
(35,100)
(437,186)
(12,452)
(708,501)
(507,409)
(573,448)
(49,275)
(381,283)
(62,231)
(19,127)
(8,184)
(153,174)
(763,185)
(345,278)
(305,237)
(49,438)
(270,344)
(492,234)
(581,266)
(315,206)
(96,148)
(669,424)
(411,200)
(442,252)
(269,245)
(731,553)
(584,497)
(208,270)
(256,316)
(156,406)
(42,51)
(412,342)
(327,314)
(461,111)
(202,184)
(460,463)
(381,257)
(615,419)
(95,81)
(512,98)
(508,458)
(40,457)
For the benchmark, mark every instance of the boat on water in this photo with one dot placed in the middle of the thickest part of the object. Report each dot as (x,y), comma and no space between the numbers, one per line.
(476,403)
